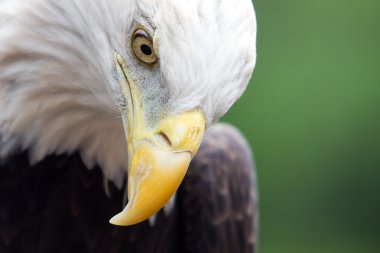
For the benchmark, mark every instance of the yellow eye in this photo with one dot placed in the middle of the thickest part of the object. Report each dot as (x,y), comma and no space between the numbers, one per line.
(142,46)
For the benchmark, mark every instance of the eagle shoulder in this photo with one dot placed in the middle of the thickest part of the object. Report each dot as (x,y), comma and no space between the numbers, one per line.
(218,207)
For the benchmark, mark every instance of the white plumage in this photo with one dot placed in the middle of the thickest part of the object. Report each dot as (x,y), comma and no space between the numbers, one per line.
(58,87)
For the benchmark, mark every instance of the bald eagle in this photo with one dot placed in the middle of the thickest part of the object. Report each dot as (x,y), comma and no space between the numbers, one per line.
(106,107)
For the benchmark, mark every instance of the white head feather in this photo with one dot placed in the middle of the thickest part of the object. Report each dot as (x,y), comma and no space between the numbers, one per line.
(58,90)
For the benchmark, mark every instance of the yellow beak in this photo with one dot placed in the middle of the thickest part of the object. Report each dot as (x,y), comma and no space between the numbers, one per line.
(158,156)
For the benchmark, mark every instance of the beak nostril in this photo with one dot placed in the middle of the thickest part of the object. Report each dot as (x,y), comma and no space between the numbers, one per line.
(163,138)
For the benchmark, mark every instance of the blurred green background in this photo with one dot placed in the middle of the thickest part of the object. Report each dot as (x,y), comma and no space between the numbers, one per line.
(311,114)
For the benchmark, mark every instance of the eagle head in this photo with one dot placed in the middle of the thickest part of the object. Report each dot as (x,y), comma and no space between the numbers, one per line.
(76,74)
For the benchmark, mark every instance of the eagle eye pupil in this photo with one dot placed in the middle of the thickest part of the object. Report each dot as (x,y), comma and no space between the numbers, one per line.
(145,49)
(142,46)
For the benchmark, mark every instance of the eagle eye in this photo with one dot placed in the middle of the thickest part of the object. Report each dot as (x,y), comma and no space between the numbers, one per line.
(142,46)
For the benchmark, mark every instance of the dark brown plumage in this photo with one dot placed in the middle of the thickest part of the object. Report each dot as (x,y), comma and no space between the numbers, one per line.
(60,206)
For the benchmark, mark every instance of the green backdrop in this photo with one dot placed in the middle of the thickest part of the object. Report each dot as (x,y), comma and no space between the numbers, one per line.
(311,114)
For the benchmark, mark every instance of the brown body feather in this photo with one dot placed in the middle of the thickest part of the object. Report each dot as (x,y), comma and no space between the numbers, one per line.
(58,206)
